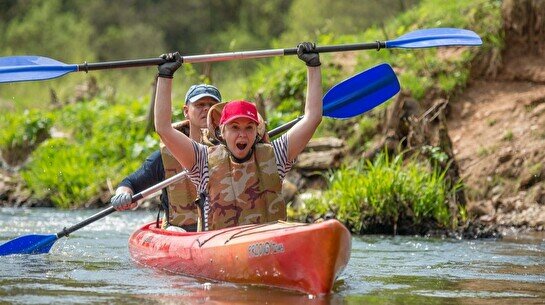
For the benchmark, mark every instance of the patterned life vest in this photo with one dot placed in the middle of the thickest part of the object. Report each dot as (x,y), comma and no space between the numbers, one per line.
(182,210)
(243,193)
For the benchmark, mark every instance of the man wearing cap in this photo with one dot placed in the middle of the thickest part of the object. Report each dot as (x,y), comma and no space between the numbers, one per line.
(241,178)
(179,199)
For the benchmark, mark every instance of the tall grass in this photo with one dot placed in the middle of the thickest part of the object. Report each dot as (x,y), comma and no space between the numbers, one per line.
(384,191)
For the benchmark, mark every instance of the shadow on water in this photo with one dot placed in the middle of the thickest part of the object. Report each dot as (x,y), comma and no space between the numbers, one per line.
(93,266)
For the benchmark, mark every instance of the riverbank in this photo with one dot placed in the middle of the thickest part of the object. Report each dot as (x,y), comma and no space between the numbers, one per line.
(14,194)
(497,125)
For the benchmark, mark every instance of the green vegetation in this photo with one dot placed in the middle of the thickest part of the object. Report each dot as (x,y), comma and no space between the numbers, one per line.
(283,84)
(364,129)
(441,70)
(535,169)
(384,192)
(445,69)
(483,151)
(508,135)
(387,191)
(75,31)
(98,142)
(21,133)
(491,122)
(108,143)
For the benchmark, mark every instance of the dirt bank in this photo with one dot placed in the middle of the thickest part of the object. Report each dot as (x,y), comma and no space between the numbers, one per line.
(497,125)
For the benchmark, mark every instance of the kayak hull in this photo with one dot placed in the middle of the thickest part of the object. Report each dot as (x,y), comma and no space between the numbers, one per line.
(294,256)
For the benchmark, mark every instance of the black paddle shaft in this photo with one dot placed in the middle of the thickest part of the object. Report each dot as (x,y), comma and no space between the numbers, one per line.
(97,216)
(227,56)
(86,67)
(342,48)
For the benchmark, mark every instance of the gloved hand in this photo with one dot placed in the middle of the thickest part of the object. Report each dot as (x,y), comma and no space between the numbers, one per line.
(122,201)
(167,69)
(304,52)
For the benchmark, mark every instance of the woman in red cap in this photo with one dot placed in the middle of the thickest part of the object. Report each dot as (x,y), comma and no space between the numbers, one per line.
(241,179)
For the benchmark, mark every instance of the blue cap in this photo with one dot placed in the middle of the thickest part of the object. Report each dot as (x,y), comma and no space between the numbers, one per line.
(196,92)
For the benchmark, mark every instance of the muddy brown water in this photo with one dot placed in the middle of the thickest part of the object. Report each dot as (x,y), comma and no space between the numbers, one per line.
(92,266)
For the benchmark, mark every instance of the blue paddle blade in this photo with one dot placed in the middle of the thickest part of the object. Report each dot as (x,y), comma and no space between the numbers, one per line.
(28,244)
(436,38)
(361,92)
(29,68)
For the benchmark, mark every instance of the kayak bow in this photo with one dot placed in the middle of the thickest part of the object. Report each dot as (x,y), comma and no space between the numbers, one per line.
(294,256)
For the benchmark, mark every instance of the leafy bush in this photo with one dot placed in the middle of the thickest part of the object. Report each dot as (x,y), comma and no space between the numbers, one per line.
(101,143)
(20,133)
(384,191)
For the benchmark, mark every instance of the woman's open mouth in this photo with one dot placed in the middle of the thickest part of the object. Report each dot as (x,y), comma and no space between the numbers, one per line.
(241,146)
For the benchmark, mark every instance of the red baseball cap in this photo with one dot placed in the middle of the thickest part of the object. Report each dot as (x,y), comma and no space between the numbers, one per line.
(238,109)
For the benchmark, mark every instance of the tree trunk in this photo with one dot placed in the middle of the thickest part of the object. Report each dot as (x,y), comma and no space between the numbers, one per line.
(151,109)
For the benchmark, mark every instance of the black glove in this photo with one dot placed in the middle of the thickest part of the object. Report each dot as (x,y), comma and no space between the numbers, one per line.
(167,69)
(305,53)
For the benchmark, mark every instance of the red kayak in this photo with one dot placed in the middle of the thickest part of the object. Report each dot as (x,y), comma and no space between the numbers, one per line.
(295,256)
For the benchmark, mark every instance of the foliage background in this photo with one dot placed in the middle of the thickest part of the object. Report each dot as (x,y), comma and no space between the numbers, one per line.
(93,145)
(74,31)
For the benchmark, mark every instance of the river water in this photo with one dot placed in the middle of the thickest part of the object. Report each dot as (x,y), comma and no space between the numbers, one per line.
(92,266)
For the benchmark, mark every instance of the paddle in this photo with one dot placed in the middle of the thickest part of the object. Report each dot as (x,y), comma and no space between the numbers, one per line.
(355,95)
(29,68)
(351,97)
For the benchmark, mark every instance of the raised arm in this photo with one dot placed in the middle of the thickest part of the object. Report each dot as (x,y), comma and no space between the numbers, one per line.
(178,143)
(302,132)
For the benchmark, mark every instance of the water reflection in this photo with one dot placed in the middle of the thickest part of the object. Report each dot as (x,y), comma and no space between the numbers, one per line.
(220,294)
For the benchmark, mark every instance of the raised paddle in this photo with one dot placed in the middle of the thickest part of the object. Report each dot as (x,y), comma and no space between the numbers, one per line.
(30,68)
(355,95)
(351,97)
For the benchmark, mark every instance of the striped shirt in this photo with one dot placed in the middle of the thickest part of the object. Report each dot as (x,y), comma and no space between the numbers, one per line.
(199,172)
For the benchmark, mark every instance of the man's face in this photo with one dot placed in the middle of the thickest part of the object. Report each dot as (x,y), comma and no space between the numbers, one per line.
(197,111)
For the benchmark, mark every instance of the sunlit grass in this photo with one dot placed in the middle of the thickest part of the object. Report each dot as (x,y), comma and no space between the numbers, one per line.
(385,190)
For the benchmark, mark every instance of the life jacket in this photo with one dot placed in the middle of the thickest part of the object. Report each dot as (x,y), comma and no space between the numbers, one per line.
(243,193)
(182,210)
